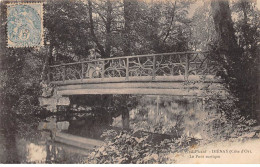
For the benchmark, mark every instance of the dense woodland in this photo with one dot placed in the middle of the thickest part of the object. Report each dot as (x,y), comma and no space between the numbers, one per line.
(111,28)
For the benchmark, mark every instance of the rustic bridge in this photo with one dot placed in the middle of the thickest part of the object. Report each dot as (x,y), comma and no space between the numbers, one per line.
(165,73)
(177,74)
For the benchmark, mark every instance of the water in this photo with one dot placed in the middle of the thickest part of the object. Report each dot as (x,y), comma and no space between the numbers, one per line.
(23,151)
(26,144)
(21,142)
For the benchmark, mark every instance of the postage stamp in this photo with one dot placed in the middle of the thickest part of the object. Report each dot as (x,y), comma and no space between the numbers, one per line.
(24,24)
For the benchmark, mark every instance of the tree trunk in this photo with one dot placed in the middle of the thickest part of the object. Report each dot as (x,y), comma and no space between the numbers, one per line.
(227,44)
(95,39)
(258,93)
(108,29)
(127,29)
(125,118)
(224,25)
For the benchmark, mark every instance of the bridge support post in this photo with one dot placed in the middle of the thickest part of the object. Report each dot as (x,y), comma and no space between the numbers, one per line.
(82,71)
(103,70)
(154,67)
(186,67)
(125,118)
(127,69)
(64,74)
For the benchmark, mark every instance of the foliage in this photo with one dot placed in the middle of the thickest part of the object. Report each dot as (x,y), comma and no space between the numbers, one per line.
(224,124)
(239,56)
(126,147)
(101,25)
(19,86)
(203,31)
(131,147)
(241,59)
(247,32)
(66,30)
(159,27)
(20,95)
(213,117)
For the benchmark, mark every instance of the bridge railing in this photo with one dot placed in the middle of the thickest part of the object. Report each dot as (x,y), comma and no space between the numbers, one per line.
(177,64)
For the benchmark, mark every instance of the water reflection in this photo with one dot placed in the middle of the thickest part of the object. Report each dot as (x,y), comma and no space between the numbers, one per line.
(36,153)
(61,153)
(9,153)
(14,150)
(50,152)
(24,142)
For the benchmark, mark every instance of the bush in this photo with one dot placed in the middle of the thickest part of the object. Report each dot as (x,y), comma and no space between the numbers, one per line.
(227,122)
(126,147)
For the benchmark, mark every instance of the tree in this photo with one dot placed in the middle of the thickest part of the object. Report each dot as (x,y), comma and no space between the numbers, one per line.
(105,20)
(203,32)
(92,30)
(66,32)
(19,90)
(239,74)
(247,32)
(129,9)
(224,26)
(158,26)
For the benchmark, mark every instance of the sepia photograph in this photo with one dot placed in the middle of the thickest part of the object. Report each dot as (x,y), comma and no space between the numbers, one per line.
(129,82)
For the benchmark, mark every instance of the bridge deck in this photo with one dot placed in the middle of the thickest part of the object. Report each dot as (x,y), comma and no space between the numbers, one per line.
(152,88)
(165,73)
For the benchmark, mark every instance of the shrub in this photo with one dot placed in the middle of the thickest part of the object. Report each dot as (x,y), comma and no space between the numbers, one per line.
(126,147)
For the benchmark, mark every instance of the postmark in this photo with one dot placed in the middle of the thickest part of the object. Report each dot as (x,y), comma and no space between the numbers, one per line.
(24,24)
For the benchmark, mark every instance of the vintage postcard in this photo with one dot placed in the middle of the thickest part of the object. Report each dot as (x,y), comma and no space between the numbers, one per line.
(129,82)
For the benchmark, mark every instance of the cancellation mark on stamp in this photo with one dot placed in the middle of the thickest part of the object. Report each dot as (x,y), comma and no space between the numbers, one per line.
(24,25)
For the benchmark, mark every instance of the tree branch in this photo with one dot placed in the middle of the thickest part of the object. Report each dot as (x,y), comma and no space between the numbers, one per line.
(102,17)
(170,27)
